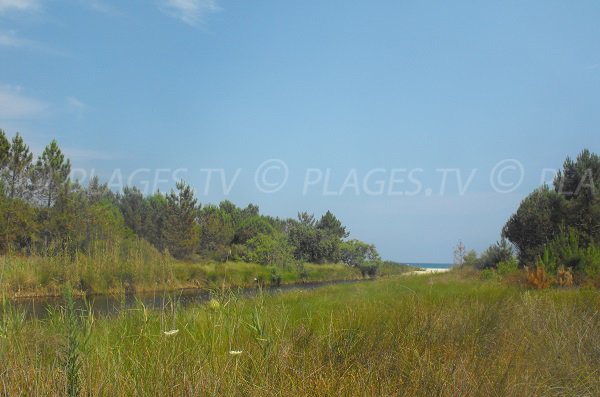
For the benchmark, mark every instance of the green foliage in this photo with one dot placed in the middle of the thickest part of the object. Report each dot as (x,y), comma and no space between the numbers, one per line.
(568,251)
(558,227)
(217,234)
(97,191)
(508,266)
(133,206)
(16,174)
(51,173)
(470,258)
(4,150)
(496,253)
(488,275)
(362,256)
(155,220)
(18,229)
(46,215)
(181,228)
(316,241)
(72,356)
(537,222)
(579,183)
(389,337)
(332,226)
(251,227)
(579,178)
(269,250)
(78,330)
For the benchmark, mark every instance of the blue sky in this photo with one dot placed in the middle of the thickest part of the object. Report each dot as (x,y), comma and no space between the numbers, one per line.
(349,96)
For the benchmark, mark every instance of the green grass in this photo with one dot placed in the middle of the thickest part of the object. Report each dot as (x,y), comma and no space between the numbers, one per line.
(136,266)
(447,335)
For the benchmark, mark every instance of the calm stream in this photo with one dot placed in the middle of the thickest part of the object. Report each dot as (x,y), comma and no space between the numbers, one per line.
(108,305)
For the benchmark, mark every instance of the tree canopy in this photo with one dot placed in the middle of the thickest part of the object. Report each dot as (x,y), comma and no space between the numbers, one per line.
(561,225)
(43,210)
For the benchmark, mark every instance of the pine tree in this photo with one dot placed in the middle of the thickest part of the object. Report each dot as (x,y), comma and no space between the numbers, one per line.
(181,226)
(155,219)
(4,150)
(133,207)
(51,173)
(17,174)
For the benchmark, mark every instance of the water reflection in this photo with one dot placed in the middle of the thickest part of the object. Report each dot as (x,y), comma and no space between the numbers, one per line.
(103,305)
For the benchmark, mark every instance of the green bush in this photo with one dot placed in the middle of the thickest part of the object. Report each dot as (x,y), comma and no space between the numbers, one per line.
(568,250)
(489,275)
(507,267)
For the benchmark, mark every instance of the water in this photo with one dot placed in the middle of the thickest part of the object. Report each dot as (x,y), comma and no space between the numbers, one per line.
(431,265)
(103,305)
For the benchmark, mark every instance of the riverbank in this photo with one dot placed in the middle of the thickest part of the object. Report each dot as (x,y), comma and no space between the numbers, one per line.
(103,305)
(114,275)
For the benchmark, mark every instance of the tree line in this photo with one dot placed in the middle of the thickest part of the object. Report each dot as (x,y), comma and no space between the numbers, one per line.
(559,227)
(44,212)
(556,229)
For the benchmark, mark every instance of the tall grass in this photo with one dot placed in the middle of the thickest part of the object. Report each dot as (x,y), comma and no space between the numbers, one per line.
(134,265)
(443,335)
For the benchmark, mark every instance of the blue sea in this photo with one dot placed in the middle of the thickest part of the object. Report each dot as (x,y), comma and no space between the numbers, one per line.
(430,265)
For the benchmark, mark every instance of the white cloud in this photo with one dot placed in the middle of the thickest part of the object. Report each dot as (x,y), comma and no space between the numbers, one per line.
(75,103)
(18,5)
(189,11)
(14,105)
(12,40)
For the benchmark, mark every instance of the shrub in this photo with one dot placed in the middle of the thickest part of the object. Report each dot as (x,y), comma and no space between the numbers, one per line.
(507,267)
(538,277)
(488,275)
(564,277)
(501,251)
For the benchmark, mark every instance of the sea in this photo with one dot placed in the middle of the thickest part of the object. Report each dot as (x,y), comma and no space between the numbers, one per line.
(430,265)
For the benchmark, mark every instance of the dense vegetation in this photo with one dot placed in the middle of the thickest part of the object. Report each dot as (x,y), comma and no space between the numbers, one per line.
(442,335)
(555,232)
(459,333)
(122,239)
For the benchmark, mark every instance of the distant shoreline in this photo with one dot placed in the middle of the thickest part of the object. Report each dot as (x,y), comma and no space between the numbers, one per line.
(430,270)
(430,265)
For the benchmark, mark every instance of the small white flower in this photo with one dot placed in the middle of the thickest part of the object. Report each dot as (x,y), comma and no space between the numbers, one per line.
(235,352)
(172,332)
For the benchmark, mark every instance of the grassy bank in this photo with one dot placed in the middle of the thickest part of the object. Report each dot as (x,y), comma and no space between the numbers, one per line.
(135,266)
(444,334)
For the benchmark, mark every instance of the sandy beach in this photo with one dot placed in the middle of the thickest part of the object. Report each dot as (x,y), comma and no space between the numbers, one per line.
(429,270)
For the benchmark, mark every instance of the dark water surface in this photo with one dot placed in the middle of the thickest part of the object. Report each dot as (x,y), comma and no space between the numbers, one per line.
(103,305)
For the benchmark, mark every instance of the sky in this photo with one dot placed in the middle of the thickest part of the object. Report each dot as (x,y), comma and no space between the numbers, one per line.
(418,124)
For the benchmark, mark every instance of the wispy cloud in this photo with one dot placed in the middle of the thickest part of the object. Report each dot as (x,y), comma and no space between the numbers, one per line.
(10,39)
(191,12)
(18,5)
(102,7)
(15,105)
(75,103)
